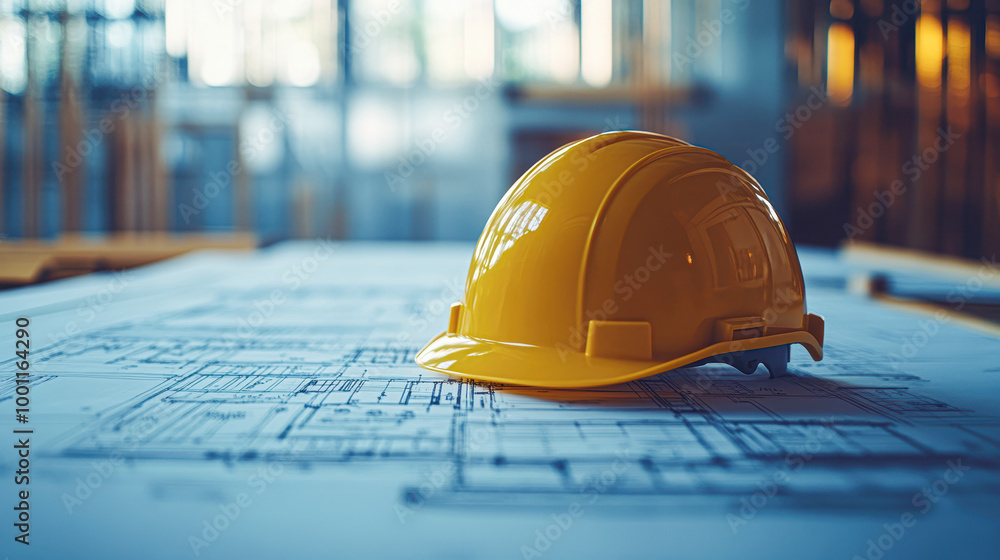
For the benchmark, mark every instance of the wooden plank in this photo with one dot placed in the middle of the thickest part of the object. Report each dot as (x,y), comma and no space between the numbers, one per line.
(24,262)
(18,269)
(915,261)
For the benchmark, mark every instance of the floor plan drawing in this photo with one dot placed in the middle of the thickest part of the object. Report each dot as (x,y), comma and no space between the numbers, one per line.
(323,378)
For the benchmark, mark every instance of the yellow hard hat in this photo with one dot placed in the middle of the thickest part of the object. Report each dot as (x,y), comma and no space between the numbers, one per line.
(621,256)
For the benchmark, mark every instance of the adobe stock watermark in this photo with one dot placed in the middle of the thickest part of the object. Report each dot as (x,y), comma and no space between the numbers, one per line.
(625,288)
(769,487)
(104,469)
(705,35)
(292,280)
(590,492)
(899,15)
(553,188)
(913,168)
(93,305)
(435,480)
(225,8)
(958,297)
(452,118)
(436,308)
(563,11)
(784,299)
(363,35)
(786,126)
(212,529)
(923,502)
(118,111)
(220,181)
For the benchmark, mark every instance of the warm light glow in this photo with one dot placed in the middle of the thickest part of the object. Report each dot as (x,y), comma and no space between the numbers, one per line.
(993,36)
(596,42)
(959,52)
(930,51)
(479,39)
(840,63)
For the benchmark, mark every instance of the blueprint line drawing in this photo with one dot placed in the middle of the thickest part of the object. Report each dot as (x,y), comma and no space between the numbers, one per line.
(325,380)
(205,369)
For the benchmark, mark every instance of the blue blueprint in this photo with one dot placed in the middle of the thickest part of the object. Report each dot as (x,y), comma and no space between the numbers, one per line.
(263,405)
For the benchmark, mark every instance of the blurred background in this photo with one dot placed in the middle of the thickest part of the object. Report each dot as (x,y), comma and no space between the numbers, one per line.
(244,122)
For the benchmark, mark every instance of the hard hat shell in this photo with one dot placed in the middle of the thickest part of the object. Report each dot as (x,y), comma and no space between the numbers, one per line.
(620,256)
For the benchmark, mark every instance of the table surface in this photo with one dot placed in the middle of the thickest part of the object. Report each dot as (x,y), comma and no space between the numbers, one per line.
(267,404)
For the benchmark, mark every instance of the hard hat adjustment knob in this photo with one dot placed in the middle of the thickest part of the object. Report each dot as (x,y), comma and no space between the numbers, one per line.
(774,358)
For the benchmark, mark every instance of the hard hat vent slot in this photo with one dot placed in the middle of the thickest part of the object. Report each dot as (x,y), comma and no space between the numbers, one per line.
(751,332)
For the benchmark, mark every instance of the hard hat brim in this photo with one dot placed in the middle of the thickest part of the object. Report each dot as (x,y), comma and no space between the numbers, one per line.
(523,364)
